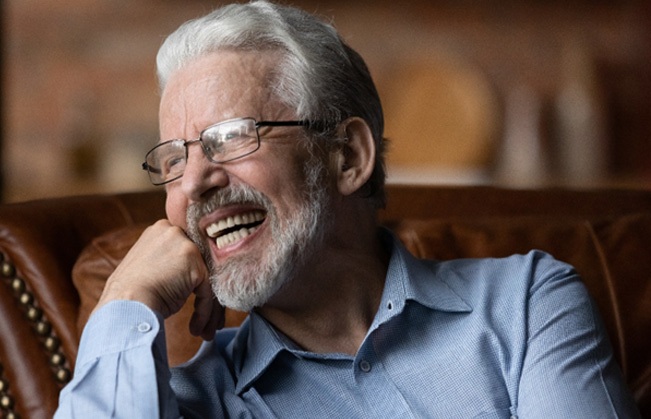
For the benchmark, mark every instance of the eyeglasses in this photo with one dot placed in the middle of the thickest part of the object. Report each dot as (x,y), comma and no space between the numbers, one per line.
(222,142)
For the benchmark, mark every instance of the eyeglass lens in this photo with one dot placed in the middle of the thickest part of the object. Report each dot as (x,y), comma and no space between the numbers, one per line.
(221,142)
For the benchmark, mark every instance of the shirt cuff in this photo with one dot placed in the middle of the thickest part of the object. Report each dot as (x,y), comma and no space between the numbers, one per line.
(118,326)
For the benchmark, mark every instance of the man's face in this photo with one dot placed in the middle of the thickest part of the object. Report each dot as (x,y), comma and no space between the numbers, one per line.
(274,199)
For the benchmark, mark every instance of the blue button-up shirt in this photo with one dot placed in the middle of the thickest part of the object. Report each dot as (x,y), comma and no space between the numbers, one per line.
(485,338)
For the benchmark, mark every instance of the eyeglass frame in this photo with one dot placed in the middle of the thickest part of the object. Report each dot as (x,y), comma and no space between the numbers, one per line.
(186,143)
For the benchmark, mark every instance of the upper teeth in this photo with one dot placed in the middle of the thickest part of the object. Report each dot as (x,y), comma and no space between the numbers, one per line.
(215,229)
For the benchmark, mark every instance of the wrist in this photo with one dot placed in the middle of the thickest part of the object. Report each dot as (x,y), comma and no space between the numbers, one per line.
(115,291)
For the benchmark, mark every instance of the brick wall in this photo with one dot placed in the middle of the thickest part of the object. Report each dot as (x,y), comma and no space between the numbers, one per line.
(81,100)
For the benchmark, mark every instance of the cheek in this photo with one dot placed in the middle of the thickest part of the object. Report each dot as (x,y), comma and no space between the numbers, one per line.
(175,208)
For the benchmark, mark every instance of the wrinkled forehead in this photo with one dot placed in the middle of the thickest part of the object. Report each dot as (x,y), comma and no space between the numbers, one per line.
(219,86)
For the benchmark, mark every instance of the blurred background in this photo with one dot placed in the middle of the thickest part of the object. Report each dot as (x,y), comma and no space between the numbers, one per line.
(517,93)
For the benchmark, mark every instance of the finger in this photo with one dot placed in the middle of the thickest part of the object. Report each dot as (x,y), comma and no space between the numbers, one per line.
(216,321)
(202,320)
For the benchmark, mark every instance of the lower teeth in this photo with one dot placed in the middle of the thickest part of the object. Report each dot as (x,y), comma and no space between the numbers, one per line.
(234,236)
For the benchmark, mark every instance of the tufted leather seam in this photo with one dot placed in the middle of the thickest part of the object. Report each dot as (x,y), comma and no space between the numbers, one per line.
(642,384)
(104,255)
(612,294)
(411,240)
(125,212)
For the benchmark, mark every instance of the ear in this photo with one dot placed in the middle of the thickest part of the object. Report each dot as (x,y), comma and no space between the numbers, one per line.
(356,158)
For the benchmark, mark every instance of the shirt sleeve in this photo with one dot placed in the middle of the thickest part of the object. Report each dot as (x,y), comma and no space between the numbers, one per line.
(569,369)
(121,369)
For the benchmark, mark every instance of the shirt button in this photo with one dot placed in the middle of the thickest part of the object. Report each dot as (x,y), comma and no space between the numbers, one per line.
(364,365)
(144,327)
(390,305)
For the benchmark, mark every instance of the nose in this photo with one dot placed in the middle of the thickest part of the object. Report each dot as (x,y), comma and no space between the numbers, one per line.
(201,175)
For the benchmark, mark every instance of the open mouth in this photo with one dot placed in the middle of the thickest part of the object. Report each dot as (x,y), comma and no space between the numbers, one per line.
(234,228)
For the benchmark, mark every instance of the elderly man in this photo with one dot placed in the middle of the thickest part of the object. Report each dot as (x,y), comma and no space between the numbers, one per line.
(272,159)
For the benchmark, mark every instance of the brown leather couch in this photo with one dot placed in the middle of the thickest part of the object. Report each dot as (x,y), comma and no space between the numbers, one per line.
(56,254)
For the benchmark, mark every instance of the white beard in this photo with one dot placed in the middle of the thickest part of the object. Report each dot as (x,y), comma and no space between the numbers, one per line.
(245,282)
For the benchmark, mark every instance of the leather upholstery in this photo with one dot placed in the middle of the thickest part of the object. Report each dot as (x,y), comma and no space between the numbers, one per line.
(46,244)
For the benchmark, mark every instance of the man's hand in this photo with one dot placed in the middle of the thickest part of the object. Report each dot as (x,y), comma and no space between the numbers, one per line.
(162,270)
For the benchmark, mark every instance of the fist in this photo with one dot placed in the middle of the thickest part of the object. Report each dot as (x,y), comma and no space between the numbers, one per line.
(162,270)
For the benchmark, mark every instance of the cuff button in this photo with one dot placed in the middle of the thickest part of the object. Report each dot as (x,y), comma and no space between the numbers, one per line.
(144,327)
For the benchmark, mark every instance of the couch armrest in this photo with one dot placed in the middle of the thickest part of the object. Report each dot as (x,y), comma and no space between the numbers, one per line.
(39,244)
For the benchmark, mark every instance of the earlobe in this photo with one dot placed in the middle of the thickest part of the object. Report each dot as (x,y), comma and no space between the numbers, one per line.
(356,157)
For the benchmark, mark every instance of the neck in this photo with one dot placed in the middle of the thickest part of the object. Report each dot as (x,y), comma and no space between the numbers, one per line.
(330,305)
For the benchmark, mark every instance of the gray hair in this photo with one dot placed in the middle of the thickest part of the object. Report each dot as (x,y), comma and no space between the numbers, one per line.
(319,75)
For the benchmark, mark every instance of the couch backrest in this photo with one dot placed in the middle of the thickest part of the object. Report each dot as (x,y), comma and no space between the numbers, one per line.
(39,244)
(605,234)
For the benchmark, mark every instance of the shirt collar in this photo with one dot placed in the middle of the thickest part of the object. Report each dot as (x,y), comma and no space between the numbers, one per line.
(255,347)
(412,279)
(408,278)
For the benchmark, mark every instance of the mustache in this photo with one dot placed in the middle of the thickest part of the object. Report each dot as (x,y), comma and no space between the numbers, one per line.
(231,195)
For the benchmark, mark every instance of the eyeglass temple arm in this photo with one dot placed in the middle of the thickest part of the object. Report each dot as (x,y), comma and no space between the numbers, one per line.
(281,123)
